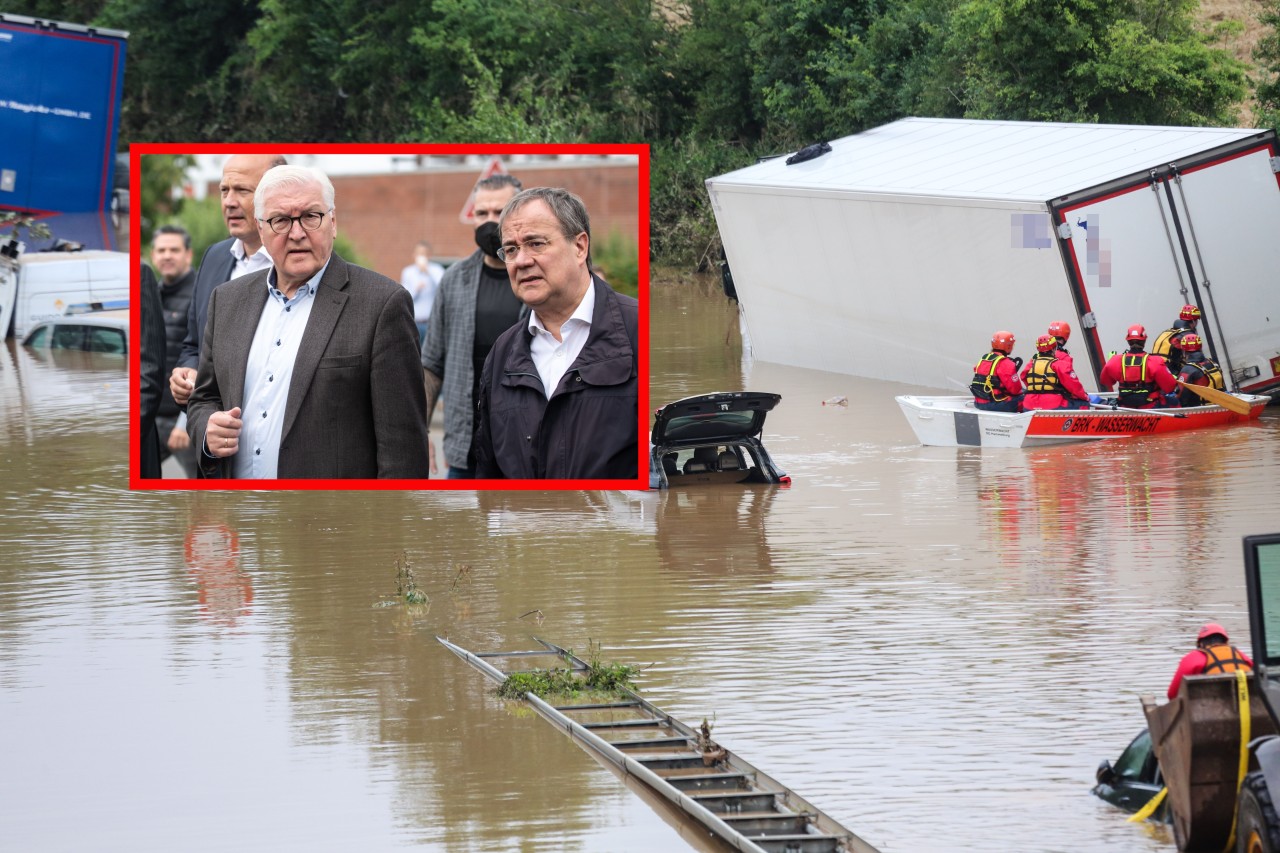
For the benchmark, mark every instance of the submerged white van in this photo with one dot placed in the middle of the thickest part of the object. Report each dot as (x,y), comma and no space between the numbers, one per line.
(41,285)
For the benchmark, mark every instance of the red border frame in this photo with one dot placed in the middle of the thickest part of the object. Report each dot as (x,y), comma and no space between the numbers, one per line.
(642,209)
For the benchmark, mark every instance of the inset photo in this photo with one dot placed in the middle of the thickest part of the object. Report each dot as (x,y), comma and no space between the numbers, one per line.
(393,316)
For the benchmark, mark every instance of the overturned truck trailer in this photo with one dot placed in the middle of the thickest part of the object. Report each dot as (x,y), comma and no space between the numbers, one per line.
(896,254)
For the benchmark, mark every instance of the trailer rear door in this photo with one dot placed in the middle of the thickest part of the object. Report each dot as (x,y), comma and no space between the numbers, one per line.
(1202,232)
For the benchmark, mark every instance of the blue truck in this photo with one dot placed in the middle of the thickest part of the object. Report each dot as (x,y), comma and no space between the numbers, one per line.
(60,97)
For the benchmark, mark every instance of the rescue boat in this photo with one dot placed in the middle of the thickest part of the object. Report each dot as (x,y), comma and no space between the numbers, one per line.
(954,422)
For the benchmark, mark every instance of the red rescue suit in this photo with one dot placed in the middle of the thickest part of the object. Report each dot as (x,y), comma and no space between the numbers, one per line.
(1052,383)
(1144,379)
(995,380)
(1210,660)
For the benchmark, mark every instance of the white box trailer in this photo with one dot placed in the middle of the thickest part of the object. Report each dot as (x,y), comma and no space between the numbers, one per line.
(896,255)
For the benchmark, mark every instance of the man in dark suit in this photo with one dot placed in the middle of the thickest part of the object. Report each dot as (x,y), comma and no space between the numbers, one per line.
(559,393)
(240,254)
(151,367)
(309,369)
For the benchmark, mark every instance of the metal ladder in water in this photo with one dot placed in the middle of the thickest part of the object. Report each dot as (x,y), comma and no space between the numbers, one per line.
(733,799)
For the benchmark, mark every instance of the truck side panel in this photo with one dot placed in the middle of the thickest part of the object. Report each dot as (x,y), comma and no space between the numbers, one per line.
(907,289)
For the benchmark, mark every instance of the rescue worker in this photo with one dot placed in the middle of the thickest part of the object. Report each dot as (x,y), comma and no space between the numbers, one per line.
(1168,343)
(1213,655)
(1199,369)
(1145,380)
(1051,380)
(995,384)
(1061,332)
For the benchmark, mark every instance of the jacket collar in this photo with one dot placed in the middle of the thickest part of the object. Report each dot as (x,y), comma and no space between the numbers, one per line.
(606,358)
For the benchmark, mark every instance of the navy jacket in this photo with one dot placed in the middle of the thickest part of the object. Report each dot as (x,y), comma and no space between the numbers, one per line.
(152,379)
(589,427)
(215,269)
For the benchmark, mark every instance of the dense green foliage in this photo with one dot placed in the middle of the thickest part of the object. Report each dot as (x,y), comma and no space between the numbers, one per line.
(1268,55)
(711,84)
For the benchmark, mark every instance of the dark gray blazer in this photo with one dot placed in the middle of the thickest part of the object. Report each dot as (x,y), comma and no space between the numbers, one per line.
(356,404)
(151,364)
(215,269)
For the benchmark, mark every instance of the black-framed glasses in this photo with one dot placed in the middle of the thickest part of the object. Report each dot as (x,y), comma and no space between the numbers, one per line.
(309,221)
(511,251)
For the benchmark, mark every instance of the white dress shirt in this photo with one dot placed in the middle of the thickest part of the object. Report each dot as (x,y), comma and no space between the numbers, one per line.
(267,376)
(246,264)
(553,358)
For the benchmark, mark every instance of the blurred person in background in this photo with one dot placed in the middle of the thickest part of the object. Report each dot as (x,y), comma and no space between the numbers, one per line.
(421,278)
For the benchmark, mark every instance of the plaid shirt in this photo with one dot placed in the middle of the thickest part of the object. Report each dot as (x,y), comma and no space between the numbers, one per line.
(447,352)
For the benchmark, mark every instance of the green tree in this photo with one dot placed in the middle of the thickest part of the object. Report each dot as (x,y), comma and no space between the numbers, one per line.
(70,11)
(809,66)
(177,82)
(1088,60)
(160,179)
(1267,86)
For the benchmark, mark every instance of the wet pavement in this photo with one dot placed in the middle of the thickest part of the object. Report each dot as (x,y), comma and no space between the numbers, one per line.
(937,646)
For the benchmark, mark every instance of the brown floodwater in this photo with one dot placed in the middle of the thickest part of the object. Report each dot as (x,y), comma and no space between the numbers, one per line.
(937,646)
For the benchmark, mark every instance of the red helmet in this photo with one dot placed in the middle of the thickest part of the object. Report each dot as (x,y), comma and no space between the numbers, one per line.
(1136,333)
(1210,629)
(1190,342)
(1046,343)
(1060,329)
(1002,341)
(1189,313)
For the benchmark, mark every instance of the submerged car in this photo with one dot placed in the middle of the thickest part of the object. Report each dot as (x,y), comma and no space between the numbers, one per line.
(1134,779)
(93,331)
(712,438)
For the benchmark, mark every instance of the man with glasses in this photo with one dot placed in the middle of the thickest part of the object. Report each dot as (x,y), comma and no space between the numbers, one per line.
(309,368)
(239,254)
(558,397)
(474,305)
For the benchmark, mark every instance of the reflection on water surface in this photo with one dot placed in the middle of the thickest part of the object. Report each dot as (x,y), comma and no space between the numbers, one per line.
(937,646)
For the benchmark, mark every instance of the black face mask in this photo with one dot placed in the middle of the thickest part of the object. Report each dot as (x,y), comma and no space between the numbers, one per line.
(488,239)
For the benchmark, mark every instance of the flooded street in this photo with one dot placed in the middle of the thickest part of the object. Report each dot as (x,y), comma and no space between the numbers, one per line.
(937,646)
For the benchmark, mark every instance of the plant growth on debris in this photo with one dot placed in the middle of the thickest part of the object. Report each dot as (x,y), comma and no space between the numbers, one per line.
(599,679)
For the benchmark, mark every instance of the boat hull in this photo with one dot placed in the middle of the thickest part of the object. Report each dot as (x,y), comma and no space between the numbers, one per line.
(954,422)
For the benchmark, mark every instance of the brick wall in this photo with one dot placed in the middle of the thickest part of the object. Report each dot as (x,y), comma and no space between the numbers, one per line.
(384,215)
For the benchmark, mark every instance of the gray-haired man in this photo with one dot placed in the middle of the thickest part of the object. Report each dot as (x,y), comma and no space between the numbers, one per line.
(559,394)
(310,368)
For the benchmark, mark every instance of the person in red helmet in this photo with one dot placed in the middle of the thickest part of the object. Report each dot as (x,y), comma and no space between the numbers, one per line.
(1168,344)
(1213,655)
(995,384)
(1199,369)
(1060,330)
(1145,380)
(1051,379)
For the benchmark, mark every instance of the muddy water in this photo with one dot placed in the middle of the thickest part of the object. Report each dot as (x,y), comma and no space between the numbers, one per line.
(936,646)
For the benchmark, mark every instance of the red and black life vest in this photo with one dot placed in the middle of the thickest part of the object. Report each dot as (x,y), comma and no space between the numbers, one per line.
(1042,378)
(986,385)
(1135,385)
(1222,658)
